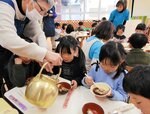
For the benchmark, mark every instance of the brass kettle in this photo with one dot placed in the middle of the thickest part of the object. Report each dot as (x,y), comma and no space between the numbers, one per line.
(42,90)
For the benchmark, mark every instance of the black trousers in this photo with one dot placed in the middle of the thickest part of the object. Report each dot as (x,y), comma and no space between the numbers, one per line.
(4,59)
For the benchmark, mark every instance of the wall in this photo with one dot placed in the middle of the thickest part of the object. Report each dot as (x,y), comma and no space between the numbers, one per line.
(141,8)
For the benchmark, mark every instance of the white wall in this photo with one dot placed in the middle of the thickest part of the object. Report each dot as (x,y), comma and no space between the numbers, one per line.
(141,8)
(130,27)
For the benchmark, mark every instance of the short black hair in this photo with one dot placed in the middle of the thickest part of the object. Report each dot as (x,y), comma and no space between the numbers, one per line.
(103,19)
(120,27)
(94,24)
(120,3)
(80,23)
(137,81)
(66,43)
(104,30)
(69,28)
(63,26)
(115,52)
(57,24)
(138,40)
(141,26)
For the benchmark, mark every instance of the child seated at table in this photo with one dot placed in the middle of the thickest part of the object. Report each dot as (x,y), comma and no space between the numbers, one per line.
(64,26)
(140,28)
(70,30)
(22,69)
(57,30)
(92,46)
(73,65)
(137,56)
(80,26)
(110,70)
(137,84)
(118,34)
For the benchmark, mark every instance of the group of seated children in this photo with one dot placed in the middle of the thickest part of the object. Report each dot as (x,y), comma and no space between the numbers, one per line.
(108,58)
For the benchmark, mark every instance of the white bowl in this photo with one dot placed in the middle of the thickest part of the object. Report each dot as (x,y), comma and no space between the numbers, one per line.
(102,86)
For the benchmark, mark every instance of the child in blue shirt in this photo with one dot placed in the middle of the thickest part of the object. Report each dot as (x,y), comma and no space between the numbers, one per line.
(92,46)
(110,70)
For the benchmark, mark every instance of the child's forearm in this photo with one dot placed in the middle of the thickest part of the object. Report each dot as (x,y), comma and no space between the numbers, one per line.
(119,96)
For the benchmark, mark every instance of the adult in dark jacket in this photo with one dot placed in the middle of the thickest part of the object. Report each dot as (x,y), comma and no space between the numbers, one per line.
(49,26)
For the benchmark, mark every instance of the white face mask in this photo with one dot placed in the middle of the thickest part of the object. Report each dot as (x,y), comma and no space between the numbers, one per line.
(33,15)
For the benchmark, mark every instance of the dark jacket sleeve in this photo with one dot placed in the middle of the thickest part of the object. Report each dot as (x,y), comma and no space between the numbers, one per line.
(81,75)
(17,73)
(82,70)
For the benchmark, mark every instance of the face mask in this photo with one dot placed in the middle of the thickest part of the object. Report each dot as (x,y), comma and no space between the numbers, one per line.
(33,15)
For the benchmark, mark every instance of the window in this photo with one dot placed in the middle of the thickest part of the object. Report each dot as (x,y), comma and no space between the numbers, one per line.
(84,9)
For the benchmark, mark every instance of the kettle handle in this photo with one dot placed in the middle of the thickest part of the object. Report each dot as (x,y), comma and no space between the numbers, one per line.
(60,69)
(39,74)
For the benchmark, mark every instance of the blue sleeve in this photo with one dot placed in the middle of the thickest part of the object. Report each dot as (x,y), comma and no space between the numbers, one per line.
(127,14)
(112,16)
(95,50)
(54,13)
(119,94)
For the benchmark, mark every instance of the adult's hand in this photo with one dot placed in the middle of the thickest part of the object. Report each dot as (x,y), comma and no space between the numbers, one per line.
(53,59)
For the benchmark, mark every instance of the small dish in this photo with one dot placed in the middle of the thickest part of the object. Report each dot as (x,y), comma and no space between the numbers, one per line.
(63,87)
(100,89)
(92,108)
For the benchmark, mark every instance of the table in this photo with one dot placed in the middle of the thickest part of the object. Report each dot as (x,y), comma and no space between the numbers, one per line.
(81,36)
(5,108)
(79,97)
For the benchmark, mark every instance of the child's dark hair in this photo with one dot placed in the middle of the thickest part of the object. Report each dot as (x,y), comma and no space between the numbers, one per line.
(67,43)
(80,23)
(69,29)
(94,24)
(57,24)
(115,52)
(104,30)
(137,81)
(138,40)
(63,26)
(103,19)
(141,26)
(120,27)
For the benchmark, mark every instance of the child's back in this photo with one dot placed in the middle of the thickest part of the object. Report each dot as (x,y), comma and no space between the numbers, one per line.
(137,56)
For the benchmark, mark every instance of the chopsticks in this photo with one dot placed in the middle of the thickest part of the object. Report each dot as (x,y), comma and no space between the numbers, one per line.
(88,76)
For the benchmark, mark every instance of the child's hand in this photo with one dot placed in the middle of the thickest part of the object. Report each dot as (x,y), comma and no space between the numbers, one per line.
(110,95)
(18,60)
(74,84)
(88,80)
